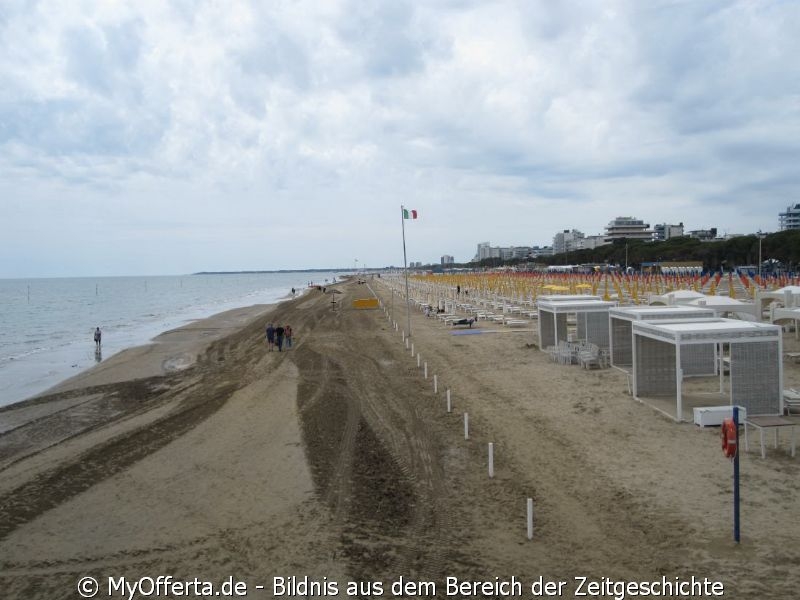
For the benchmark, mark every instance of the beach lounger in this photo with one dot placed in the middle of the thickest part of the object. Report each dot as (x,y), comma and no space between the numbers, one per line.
(791,400)
(516,322)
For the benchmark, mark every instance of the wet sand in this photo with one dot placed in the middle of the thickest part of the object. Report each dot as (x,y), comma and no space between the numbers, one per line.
(206,456)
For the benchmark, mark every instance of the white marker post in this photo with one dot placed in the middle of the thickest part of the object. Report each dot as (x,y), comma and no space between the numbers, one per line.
(466,426)
(403,336)
(530,518)
(426,369)
(435,383)
(491,459)
(418,359)
(449,407)
(406,343)
(412,349)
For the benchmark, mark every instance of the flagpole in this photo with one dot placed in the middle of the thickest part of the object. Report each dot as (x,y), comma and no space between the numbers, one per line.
(405,266)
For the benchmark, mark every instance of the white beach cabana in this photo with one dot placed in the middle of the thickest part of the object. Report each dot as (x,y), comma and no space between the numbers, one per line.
(725,306)
(756,370)
(782,316)
(676,297)
(788,296)
(620,324)
(591,318)
(566,297)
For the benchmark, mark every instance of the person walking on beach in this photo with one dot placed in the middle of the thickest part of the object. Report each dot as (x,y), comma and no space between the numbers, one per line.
(279,332)
(287,334)
(98,337)
(270,336)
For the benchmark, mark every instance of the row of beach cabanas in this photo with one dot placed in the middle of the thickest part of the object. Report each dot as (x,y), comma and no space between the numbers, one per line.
(683,334)
(659,346)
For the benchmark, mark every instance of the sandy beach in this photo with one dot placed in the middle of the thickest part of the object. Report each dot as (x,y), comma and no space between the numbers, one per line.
(206,456)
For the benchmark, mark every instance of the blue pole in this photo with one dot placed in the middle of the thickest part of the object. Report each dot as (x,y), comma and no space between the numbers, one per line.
(736,535)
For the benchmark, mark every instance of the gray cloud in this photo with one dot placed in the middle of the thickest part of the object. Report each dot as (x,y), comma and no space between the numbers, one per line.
(384,37)
(102,59)
(305,115)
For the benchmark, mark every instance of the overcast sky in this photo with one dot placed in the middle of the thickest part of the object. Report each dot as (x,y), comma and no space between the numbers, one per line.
(167,137)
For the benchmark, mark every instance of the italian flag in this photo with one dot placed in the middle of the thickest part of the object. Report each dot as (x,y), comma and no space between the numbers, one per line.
(409,214)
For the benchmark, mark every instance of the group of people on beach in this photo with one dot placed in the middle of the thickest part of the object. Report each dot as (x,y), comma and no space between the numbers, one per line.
(279,336)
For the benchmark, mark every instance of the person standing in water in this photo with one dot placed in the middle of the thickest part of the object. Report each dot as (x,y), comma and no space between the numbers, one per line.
(98,337)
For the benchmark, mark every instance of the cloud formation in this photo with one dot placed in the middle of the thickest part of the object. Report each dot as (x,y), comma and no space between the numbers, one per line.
(169,137)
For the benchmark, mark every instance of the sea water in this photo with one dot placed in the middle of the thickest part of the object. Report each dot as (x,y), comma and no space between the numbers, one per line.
(47,325)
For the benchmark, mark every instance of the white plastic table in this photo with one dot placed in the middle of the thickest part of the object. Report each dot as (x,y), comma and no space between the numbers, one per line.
(769,422)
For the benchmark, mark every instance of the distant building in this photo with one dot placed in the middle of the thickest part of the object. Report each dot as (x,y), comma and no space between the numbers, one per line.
(567,241)
(448,260)
(537,251)
(663,232)
(590,242)
(791,218)
(484,252)
(628,228)
(487,251)
(514,252)
(704,235)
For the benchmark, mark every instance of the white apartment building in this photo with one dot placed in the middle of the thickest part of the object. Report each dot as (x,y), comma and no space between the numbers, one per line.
(629,228)
(567,241)
(537,251)
(590,242)
(663,231)
(791,218)
(486,251)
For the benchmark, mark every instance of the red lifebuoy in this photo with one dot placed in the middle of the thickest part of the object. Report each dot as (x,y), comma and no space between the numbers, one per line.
(729,435)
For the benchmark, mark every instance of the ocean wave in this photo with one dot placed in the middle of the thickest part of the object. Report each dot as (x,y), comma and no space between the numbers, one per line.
(22,354)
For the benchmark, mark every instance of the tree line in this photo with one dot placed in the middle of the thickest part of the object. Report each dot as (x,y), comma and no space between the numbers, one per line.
(782,246)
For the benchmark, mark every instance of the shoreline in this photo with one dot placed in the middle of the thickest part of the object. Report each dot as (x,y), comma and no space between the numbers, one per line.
(169,351)
(167,342)
(45,343)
